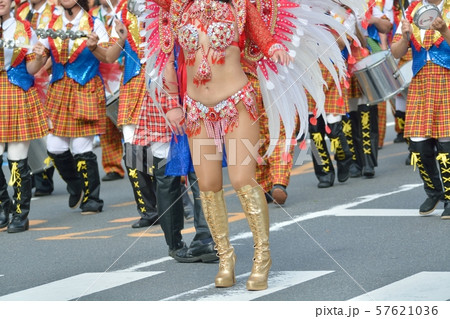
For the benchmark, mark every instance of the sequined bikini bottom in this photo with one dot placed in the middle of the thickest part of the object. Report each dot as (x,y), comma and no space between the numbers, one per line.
(221,118)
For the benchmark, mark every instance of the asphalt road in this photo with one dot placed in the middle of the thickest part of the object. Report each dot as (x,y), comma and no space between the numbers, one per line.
(358,240)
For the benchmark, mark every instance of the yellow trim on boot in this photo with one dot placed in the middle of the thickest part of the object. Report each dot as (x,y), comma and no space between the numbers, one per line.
(15,175)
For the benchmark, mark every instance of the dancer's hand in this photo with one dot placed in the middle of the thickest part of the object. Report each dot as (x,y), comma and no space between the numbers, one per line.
(39,51)
(282,57)
(92,41)
(175,117)
(440,25)
(406,30)
(121,29)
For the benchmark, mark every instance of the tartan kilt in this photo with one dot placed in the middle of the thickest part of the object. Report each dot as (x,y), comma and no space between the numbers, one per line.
(353,91)
(151,125)
(22,117)
(428,103)
(130,100)
(77,110)
(331,95)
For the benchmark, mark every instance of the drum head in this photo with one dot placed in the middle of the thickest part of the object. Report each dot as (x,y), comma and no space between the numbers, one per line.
(425,16)
(371,60)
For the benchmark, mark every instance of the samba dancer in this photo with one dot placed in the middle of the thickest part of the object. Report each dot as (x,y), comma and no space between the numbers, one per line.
(149,145)
(22,116)
(221,112)
(427,115)
(76,102)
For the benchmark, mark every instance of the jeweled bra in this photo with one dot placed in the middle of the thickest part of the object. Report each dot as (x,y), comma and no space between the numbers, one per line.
(214,18)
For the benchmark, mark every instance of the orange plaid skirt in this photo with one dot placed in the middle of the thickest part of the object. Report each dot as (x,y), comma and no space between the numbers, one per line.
(334,104)
(428,103)
(77,110)
(22,117)
(353,91)
(131,99)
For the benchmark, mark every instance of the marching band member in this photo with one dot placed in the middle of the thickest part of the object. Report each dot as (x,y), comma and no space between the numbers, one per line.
(22,117)
(336,106)
(126,37)
(76,102)
(364,117)
(111,141)
(39,14)
(427,115)
(380,19)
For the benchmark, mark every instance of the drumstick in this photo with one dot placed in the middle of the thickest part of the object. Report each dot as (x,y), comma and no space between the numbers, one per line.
(112,10)
(402,5)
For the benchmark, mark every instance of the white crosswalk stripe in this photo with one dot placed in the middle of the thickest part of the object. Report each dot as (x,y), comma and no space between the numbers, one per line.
(78,286)
(277,281)
(423,286)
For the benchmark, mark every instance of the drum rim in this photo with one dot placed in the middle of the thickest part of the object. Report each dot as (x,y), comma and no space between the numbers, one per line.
(387,53)
(426,7)
(399,90)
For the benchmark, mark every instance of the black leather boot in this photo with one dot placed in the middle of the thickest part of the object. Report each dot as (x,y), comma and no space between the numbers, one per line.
(400,118)
(88,168)
(5,201)
(22,183)
(443,158)
(169,206)
(67,168)
(424,158)
(143,185)
(43,181)
(352,131)
(369,137)
(323,167)
(343,155)
(144,190)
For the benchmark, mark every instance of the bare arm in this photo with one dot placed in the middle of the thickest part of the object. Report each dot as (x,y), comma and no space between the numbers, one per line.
(399,48)
(382,25)
(440,25)
(174,113)
(112,53)
(165,4)
(40,58)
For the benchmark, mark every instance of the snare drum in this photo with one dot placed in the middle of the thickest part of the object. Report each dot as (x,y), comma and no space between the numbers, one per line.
(112,88)
(37,155)
(378,77)
(425,16)
(112,106)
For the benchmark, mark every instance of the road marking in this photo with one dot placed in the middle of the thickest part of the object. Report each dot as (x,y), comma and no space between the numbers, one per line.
(330,212)
(423,286)
(78,286)
(277,281)
(78,235)
(377,212)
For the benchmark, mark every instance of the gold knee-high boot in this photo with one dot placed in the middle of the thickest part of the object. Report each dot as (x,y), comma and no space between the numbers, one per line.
(216,216)
(255,207)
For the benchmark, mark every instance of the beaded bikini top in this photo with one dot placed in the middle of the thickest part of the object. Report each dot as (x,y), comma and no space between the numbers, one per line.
(214,18)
